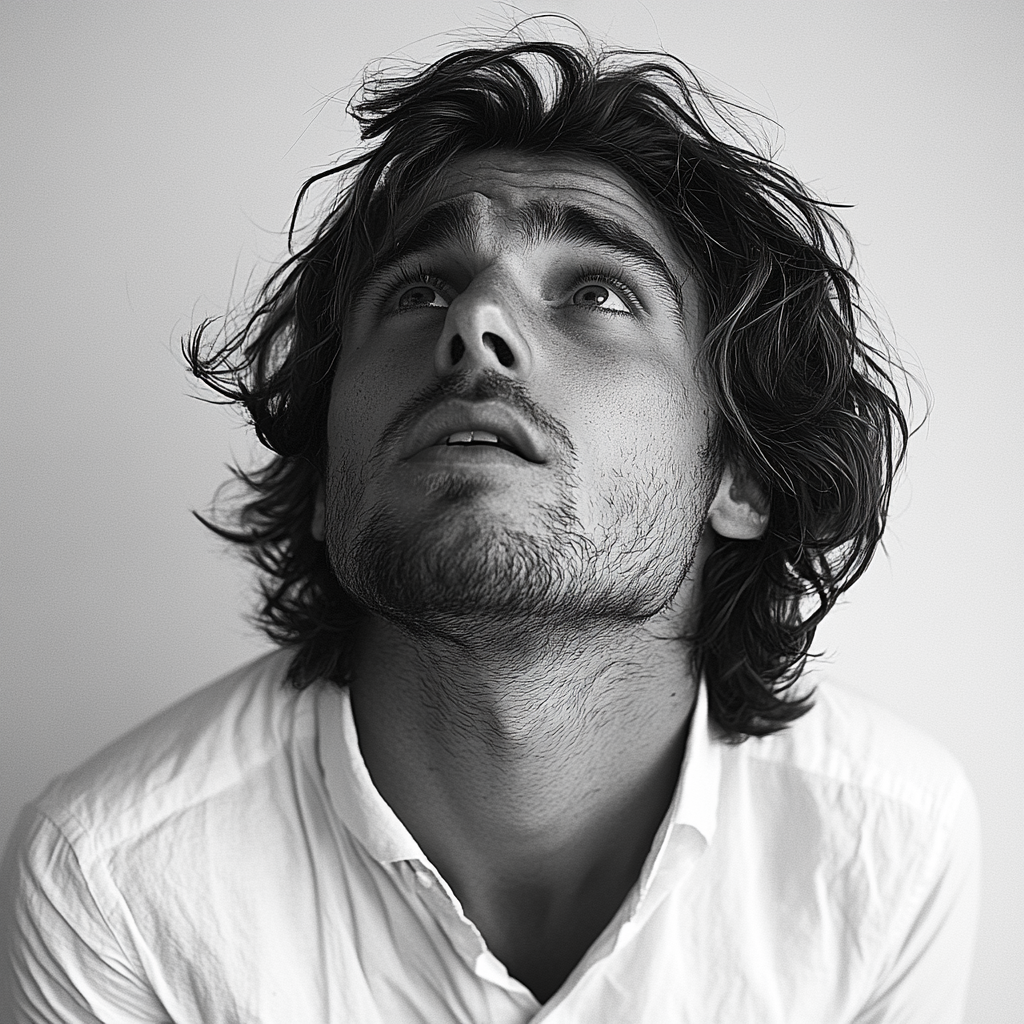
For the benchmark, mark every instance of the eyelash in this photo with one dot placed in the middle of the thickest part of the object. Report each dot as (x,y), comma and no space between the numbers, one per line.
(599,276)
(390,291)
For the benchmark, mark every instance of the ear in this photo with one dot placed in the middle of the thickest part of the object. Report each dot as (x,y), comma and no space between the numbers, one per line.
(739,510)
(316,526)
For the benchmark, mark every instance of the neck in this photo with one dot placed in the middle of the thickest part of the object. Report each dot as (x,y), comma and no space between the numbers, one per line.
(533,776)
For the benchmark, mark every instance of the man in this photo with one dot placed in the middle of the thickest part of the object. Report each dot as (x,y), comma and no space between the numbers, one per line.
(577,436)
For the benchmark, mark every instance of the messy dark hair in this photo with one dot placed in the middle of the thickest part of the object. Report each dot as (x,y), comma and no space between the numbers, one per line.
(803,384)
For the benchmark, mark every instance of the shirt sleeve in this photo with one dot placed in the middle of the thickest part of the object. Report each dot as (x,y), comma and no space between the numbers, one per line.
(927,964)
(60,960)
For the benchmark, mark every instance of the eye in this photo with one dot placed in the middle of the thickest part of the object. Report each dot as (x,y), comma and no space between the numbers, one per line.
(421,296)
(599,296)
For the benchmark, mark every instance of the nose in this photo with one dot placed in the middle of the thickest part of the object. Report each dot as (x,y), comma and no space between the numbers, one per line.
(480,332)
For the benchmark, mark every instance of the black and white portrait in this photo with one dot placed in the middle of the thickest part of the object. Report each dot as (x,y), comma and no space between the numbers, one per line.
(511,515)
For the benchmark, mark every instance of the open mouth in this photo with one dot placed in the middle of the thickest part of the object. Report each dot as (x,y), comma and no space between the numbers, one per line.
(478,437)
(480,425)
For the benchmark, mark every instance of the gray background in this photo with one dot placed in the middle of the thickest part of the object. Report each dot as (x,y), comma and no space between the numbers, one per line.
(150,156)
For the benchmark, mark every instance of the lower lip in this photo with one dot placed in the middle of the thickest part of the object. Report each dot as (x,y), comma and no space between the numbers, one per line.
(468,455)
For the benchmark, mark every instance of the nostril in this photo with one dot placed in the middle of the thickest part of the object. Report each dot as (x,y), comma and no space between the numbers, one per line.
(458,349)
(501,349)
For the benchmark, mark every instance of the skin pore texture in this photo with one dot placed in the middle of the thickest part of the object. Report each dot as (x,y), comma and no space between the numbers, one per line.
(520,691)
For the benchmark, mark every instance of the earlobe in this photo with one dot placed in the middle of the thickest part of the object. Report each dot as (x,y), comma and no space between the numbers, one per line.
(316,526)
(739,510)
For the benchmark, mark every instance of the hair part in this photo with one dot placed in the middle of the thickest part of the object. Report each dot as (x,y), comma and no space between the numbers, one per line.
(804,385)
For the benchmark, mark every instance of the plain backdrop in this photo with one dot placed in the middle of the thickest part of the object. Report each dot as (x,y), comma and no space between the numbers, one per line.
(150,156)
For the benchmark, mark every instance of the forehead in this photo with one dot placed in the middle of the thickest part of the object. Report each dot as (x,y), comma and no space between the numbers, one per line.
(501,186)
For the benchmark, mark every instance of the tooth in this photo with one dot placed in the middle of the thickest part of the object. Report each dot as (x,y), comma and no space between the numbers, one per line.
(461,437)
(485,435)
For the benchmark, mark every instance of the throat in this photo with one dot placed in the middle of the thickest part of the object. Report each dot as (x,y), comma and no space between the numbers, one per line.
(536,797)
(541,937)
(542,887)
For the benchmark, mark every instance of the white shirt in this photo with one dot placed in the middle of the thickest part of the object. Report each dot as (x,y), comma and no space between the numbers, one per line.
(231,861)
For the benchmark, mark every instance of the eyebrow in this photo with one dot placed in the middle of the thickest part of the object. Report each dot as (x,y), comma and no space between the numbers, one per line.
(452,221)
(447,222)
(544,220)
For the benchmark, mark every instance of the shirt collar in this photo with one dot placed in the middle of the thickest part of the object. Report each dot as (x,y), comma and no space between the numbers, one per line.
(695,802)
(689,825)
(364,811)
(369,817)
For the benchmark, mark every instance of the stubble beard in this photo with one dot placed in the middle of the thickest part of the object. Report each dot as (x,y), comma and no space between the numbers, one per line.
(460,574)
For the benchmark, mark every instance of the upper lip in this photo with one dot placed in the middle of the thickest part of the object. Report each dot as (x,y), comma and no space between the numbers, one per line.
(435,425)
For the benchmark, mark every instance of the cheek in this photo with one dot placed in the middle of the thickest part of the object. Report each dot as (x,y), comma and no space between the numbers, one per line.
(352,426)
(643,451)
(345,418)
(364,397)
(376,375)
(642,415)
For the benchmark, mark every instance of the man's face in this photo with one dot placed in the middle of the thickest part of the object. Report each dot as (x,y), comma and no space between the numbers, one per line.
(540,301)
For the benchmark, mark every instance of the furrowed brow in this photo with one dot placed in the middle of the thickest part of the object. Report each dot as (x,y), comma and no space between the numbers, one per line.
(449,221)
(544,220)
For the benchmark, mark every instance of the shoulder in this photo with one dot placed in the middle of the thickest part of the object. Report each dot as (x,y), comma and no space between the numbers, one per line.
(849,743)
(122,862)
(855,820)
(205,744)
(857,788)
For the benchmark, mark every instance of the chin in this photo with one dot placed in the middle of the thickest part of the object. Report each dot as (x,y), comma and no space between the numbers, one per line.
(468,574)
(440,571)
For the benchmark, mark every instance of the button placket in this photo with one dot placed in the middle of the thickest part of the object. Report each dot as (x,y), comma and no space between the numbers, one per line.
(441,902)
